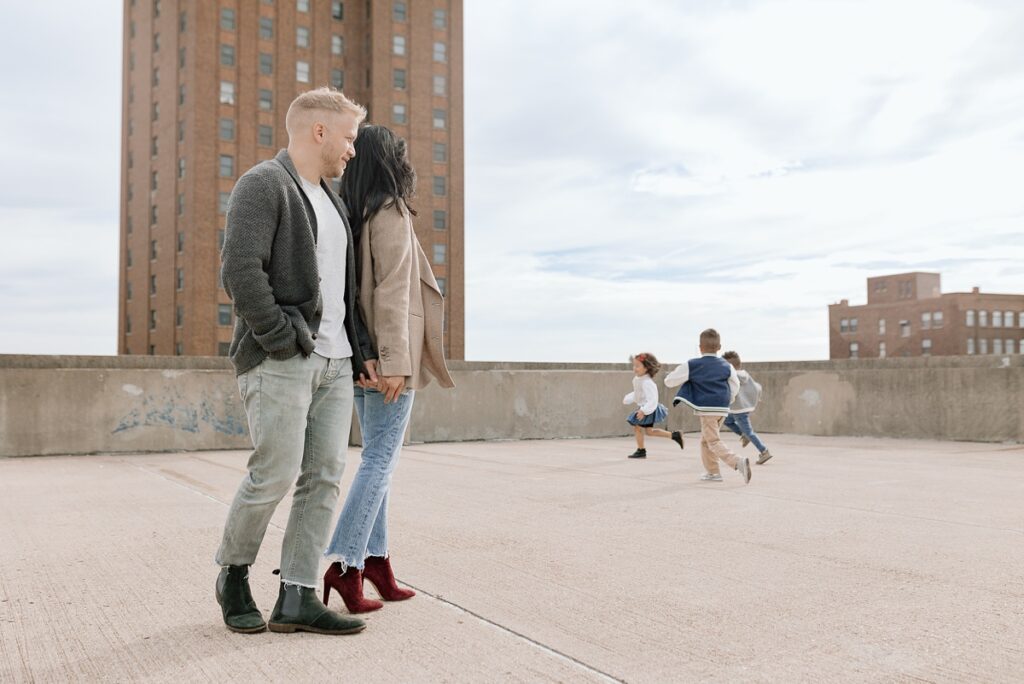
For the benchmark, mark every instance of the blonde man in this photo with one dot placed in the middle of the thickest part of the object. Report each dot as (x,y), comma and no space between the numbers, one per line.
(288,266)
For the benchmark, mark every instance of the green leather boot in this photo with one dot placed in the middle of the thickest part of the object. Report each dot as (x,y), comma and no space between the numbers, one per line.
(299,610)
(236,602)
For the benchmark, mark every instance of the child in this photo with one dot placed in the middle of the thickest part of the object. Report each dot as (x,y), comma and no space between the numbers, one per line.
(741,408)
(645,395)
(709,385)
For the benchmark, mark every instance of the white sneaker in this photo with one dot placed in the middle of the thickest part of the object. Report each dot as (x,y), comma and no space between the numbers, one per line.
(708,477)
(744,467)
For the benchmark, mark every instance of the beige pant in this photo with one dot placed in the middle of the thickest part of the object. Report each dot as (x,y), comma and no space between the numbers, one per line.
(712,448)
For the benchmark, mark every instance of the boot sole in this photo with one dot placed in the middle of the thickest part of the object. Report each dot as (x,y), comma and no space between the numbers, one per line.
(247,630)
(291,629)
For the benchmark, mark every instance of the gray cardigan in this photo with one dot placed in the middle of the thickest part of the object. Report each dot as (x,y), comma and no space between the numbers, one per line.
(269,269)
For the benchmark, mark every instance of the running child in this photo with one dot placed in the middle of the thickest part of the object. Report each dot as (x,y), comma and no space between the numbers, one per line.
(649,412)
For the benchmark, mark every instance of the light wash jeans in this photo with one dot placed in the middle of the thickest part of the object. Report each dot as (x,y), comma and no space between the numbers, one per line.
(740,424)
(362,528)
(300,415)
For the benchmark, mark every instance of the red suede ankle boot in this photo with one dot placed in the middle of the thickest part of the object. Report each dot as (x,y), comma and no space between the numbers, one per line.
(378,572)
(350,586)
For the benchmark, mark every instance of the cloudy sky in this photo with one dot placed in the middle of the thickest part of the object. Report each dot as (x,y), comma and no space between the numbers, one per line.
(635,171)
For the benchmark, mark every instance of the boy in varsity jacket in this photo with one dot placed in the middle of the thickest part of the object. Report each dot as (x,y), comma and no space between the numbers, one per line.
(708,384)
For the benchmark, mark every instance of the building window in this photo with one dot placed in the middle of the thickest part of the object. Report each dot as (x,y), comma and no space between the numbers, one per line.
(301,37)
(181,242)
(178,349)
(926,320)
(337,45)
(152,284)
(398,45)
(266,99)
(266,63)
(844,325)
(227,19)
(854,350)
(156,77)
(853,325)
(154,147)
(265,136)
(266,28)
(338,78)
(181,95)
(337,10)
(937,319)
(181,204)
(129,218)
(223,314)
(180,279)
(128,290)
(970,318)
(131,29)
(222,202)
(223,348)
(227,129)
(227,166)
(440,254)
(440,85)
(398,114)
(302,72)
(181,167)
(983,346)
(881,326)
(128,326)
(1008,319)
(1010,345)
(881,350)
(227,55)
(398,12)
(131,193)
(440,220)
(997,346)
(154,181)
(1020,319)
(440,153)
(440,19)
(926,347)
(128,259)
(906,290)
(181,58)
(997,319)
(983,319)
(302,5)
(439,186)
(181,131)
(440,118)
(440,52)
(227,92)
(152,250)
(904,328)
(398,76)
(154,215)
(442,285)
(156,42)
(155,112)
(970,345)
(182,22)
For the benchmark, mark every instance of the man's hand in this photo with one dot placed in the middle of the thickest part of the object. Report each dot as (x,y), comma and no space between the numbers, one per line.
(391,386)
(372,381)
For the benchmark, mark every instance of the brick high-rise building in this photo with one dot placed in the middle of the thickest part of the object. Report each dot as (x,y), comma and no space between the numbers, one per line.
(907,315)
(205,90)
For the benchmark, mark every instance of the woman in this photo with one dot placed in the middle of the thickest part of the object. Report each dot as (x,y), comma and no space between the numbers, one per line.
(403,310)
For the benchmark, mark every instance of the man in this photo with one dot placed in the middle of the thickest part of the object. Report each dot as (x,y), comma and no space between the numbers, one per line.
(289,267)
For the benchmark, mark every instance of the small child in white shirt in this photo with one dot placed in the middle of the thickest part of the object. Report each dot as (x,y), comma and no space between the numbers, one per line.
(649,411)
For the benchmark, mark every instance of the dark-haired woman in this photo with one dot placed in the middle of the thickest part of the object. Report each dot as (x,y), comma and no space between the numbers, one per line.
(403,310)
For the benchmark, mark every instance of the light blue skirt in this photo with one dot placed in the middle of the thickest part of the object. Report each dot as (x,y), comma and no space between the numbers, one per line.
(659,416)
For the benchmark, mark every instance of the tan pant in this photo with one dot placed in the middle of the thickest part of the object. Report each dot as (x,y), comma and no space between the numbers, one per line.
(712,448)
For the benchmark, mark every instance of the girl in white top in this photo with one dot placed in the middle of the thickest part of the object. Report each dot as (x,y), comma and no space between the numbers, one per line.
(649,411)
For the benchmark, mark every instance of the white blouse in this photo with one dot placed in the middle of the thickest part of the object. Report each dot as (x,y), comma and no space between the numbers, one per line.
(644,394)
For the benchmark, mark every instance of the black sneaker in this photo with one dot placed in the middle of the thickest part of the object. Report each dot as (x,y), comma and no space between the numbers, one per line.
(639,453)
(677,437)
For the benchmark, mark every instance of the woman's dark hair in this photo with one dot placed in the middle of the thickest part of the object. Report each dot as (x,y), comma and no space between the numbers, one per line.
(378,176)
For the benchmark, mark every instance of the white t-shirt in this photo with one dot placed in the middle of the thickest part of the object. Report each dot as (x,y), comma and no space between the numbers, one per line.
(331,247)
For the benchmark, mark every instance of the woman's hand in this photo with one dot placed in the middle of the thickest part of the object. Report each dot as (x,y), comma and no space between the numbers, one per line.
(391,386)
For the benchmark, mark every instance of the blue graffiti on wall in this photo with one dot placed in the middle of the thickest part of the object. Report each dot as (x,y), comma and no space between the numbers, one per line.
(173,411)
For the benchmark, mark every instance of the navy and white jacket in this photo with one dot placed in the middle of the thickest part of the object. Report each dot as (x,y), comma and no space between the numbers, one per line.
(709,385)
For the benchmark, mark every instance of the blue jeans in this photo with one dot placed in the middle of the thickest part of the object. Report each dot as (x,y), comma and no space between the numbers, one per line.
(740,424)
(362,528)
(300,415)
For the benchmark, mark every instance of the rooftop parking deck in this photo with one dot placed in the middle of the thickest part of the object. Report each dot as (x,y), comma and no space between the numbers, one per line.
(844,559)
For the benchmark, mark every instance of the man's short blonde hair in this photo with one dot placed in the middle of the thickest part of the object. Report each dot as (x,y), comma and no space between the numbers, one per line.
(322,99)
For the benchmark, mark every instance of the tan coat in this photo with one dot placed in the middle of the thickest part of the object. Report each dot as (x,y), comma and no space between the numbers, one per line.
(400,300)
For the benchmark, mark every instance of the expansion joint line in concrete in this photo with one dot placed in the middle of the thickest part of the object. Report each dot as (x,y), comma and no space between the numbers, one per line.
(477,616)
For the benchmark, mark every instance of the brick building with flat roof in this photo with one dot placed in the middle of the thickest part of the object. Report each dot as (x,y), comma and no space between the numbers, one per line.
(205,89)
(907,315)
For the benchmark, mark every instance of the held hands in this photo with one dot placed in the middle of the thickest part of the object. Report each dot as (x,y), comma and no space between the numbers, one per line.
(391,386)
(369,382)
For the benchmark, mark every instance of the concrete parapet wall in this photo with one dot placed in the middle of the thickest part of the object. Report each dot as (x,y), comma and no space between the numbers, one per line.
(67,405)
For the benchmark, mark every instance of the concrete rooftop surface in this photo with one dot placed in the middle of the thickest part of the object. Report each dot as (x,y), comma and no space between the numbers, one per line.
(845,559)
